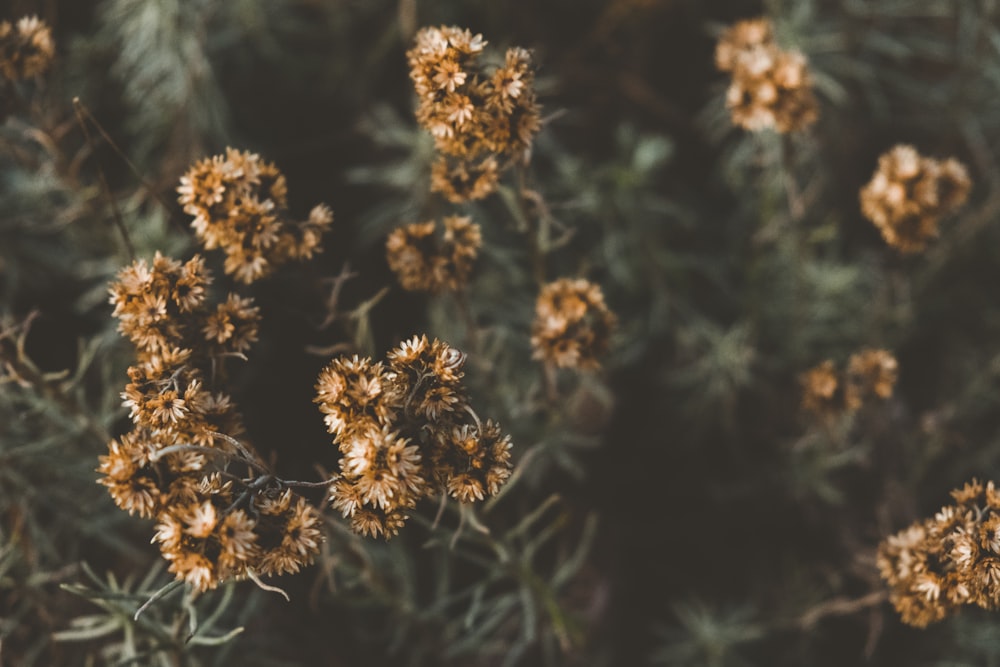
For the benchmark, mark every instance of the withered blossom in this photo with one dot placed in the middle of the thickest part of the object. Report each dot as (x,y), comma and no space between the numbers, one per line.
(908,195)
(936,565)
(240,205)
(771,88)
(404,432)
(573,325)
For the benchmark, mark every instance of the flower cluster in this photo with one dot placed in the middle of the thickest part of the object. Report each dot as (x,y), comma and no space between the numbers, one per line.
(424,262)
(482,118)
(770,87)
(26,48)
(870,375)
(573,325)
(240,204)
(909,193)
(936,565)
(212,524)
(405,431)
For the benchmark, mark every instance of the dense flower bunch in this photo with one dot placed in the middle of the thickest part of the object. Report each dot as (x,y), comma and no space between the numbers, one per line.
(871,375)
(770,87)
(482,118)
(406,431)
(173,466)
(573,325)
(26,48)
(240,204)
(909,193)
(936,565)
(427,263)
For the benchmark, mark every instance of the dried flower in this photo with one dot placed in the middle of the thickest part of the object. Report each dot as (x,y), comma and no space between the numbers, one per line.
(822,393)
(167,467)
(26,49)
(404,434)
(424,262)
(240,205)
(770,87)
(572,327)
(908,194)
(938,564)
(478,116)
(870,373)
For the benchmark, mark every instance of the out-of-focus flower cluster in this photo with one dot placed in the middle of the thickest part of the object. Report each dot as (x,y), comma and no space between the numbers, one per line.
(770,87)
(176,464)
(240,205)
(908,194)
(26,48)
(936,565)
(406,431)
(871,375)
(482,118)
(573,325)
(423,261)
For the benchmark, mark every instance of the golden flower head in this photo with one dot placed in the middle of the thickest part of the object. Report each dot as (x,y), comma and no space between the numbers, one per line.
(26,48)
(822,391)
(870,373)
(354,394)
(938,564)
(423,261)
(472,461)
(908,194)
(770,87)
(483,118)
(573,325)
(427,377)
(240,205)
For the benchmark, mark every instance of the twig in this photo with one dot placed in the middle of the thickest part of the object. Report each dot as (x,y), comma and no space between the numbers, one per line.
(119,222)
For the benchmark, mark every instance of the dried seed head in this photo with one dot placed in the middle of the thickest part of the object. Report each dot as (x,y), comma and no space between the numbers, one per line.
(573,326)
(908,194)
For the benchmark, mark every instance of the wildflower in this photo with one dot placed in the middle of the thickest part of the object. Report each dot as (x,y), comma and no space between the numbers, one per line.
(26,48)
(908,194)
(288,534)
(427,376)
(464,180)
(232,327)
(572,327)
(770,87)
(404,434)
(473,461)
(422,262)
(240,205)
(870,373)
(938,564)
(354,396)
(480,117)
(821,390)
(129,475)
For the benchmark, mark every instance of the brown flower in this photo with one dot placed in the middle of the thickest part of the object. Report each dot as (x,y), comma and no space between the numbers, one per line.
(240,205)
(908,194)
(938,564)
(424,262)
(770,87)
(482,118)
(573,326)
(26,48)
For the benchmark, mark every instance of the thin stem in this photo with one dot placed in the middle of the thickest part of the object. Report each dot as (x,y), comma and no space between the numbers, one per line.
(534,228)
(117,214)
(274,589)
(83,112)
(166,590)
